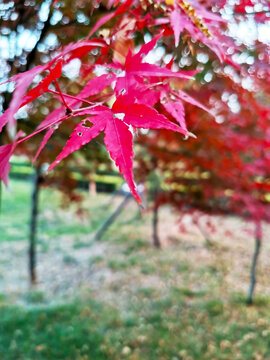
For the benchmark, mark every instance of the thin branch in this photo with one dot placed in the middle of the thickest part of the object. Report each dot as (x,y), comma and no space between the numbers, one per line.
(60,92)
(70,97)
(40,130)
(83,109)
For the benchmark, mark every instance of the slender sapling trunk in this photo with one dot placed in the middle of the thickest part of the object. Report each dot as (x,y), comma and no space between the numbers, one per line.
(33,227)
(258,242)
(112,217)
(156,240)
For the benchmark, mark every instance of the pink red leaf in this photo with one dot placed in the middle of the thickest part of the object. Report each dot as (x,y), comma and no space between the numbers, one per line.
(176,109)
(118,140)
(42,87)
(78,49)
(52,118)
(101,22)
(96,85)
(5,154)
(36,70)
(146,48)
(122,8)
(147,118)
(82,135)
(142,116)
(4,118)
(178,24)
(44,142)
(149,97)
(241,8)
(22,83)
(145,69)
(184,96)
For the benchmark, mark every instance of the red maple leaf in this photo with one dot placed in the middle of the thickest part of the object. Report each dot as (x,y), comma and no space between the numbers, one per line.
(117,124)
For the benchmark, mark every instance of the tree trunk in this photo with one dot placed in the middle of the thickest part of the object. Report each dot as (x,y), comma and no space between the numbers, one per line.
(33,228)
(156,240)
(258,242)
(113,216)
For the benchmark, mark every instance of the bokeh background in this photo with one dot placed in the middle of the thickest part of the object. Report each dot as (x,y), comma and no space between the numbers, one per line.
(85,273)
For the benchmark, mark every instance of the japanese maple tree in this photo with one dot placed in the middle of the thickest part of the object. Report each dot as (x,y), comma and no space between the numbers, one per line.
(143,58)
(124,96)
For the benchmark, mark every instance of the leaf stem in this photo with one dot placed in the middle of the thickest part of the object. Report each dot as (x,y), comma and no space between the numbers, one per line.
(39,130)
(54,123)
(82,109)
(70,97)
(60,92)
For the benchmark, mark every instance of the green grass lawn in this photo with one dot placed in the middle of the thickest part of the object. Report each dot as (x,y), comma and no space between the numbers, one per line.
(71,331)
(15,210)
(52,221)
(153,328)
(159,305)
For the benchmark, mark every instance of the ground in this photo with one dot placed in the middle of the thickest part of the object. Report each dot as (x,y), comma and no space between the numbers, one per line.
(120,298)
